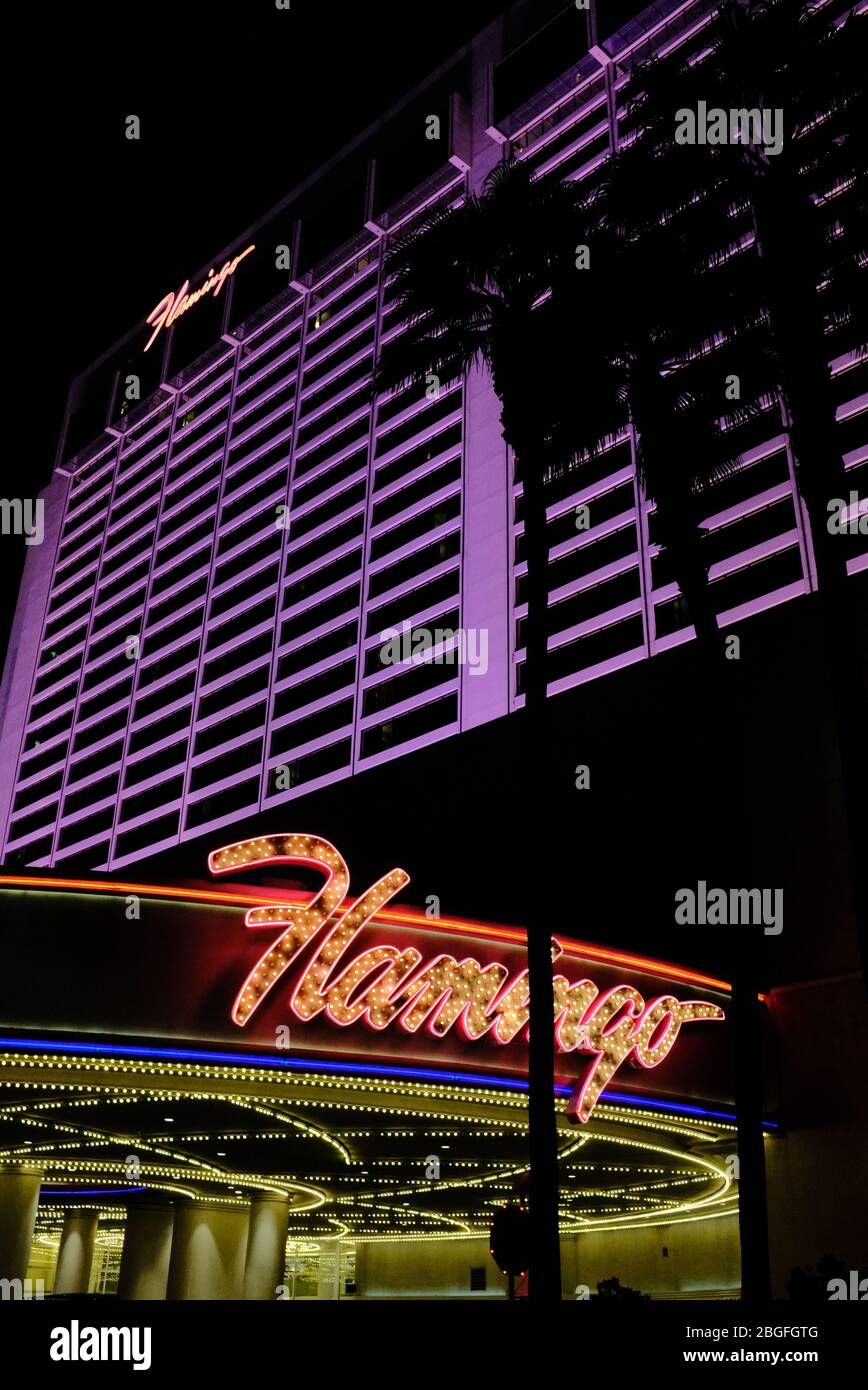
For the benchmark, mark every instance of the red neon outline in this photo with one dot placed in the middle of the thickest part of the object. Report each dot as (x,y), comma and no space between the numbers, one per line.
(670,1015)
(626,1019)
(338,926)
(576,1102)
(378,970)
(294,915)
(572,947)
(429,1018)
(307,919)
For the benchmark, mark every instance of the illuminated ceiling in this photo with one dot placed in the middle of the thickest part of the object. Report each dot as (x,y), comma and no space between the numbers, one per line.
(356,1155)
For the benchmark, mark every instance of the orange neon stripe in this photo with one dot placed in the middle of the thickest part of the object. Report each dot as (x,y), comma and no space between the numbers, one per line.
(579,949)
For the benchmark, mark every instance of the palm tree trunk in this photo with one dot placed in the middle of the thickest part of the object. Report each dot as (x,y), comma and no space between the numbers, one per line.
(749,1087)
(746,1016)
(845,663)
(745,961)
(544,1283)
(796,317)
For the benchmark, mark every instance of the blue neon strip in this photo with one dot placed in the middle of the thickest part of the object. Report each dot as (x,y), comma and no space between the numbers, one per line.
(669,1105)
(287,1063)
(85,1191)
(352,1068)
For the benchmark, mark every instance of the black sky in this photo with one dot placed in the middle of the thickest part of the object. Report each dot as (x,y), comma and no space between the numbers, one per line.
(238,103)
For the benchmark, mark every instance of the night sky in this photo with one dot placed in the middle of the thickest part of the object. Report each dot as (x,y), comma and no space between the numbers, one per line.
(238,102)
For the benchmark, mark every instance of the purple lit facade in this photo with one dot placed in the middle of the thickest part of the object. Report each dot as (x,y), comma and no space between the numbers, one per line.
(258,642)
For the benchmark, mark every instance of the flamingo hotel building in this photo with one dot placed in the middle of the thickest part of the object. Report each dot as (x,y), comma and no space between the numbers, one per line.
(263,1008)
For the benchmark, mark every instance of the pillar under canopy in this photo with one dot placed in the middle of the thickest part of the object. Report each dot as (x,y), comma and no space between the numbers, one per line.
(266,1247)
(19,1199)
(144,1271)
(75,1256)
(209,1244)
(329,1274)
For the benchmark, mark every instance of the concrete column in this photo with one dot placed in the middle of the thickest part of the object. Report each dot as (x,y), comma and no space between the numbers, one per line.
(209,1244)
(75,1256)
(266,1247)
(19,1198)
(329,1276)
(486,570)
(25,636)
(486,575)
(144,1271)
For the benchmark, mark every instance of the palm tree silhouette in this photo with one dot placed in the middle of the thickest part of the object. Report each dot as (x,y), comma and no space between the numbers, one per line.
(500,280)
(477,284)
(764,255)
(781,235)
(680,262)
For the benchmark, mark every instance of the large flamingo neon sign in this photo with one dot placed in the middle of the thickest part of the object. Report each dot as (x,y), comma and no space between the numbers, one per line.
(385,984)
